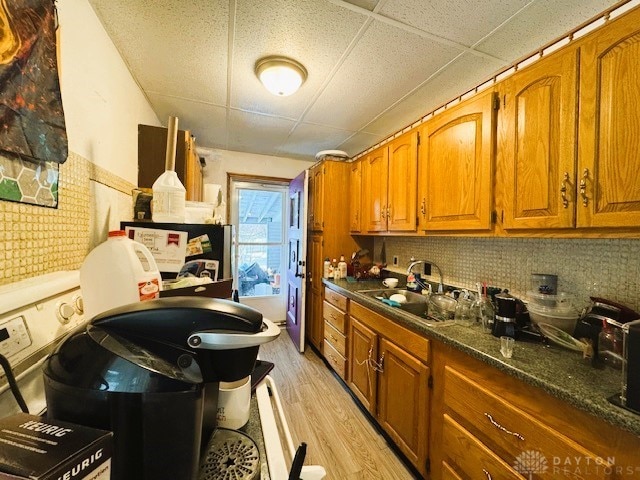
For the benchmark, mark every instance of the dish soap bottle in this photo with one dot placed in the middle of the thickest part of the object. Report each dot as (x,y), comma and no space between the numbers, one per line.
(326,268)
(342,267)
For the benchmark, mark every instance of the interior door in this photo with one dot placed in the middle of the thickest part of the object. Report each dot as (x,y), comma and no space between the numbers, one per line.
(296,269)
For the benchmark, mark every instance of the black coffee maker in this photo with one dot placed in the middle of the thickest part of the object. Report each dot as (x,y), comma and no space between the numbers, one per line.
(149,372)
(505,322)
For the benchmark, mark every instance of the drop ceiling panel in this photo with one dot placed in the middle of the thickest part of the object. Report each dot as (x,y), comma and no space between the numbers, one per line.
(309,139)
(314,33)
(463,74)
(207,122)
(540,23)
(256,133)
(385,64)
(359,142)
(463,21)
(171,46)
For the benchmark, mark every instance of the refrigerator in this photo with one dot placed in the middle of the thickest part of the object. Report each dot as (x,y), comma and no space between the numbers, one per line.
(208,242)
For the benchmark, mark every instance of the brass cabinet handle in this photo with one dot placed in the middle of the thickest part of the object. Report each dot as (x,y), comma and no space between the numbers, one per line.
(489,477)
(379,365)
(583,187)
(500,427)
(563,190)
(389,211)
(423,207)
(333,338)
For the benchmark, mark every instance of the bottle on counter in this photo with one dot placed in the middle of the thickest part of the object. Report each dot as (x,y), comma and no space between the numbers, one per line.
(326,268)
(342,267)
(335,274)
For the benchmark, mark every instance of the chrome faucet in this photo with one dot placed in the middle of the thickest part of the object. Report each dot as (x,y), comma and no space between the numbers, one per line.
(417,262)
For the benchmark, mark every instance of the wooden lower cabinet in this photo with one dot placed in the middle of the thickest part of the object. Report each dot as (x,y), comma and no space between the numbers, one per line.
(403,400)
(315,324)
(486,424)
(388,373)
(363,379)
(335,320)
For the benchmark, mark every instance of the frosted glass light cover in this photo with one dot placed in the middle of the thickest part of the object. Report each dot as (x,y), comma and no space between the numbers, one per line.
(280,76)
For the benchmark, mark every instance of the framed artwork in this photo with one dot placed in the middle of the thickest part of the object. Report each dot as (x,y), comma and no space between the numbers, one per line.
(33,137)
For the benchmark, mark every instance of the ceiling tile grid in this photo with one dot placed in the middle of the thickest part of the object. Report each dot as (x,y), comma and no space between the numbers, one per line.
(374,66)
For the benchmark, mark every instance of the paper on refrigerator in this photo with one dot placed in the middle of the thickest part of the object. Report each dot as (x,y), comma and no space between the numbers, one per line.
(168,247)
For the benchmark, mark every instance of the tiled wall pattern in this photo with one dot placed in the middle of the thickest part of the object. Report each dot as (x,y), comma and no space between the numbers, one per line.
(608,267)
(36,240)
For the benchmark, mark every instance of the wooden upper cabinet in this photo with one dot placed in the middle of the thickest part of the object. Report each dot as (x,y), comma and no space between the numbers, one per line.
(355,197)
(537,144)
(316,197)
(609,126)
(403,183)
(152,147)
(374,190)
(456,167)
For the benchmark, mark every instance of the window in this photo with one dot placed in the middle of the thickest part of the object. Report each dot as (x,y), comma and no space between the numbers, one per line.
(258,214)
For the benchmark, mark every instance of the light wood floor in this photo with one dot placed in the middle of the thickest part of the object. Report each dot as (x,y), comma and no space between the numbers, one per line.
(321,413)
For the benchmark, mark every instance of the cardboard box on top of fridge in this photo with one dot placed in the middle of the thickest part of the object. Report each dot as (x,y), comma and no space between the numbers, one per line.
(168,247)
(39,448)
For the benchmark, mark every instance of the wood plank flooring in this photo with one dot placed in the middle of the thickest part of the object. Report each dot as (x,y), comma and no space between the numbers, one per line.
(321,413)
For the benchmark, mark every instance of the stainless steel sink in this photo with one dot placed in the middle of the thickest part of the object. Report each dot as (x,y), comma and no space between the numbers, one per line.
(416,304)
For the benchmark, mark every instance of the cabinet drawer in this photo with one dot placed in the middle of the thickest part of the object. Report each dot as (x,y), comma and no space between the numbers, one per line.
(449,473)
(335,317)
(335,338)
(336,299)
(471,456)
(337,361)
(511,431)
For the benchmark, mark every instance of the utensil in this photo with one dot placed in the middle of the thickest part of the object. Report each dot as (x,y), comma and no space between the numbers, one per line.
(561,338)
(298,461)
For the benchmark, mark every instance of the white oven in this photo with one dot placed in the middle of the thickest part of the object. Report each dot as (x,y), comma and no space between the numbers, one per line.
(35,314)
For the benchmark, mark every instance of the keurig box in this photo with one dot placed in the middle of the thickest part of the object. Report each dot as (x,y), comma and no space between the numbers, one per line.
(38,448)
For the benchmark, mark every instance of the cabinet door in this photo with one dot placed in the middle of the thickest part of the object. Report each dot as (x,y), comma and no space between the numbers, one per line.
(374,190)
(193,182)
(403,401)
(456,166)
(316,200)
(538,144)
(315,263)
(363,344)
(355,197)
(403,183)
(314,322)
(609,126)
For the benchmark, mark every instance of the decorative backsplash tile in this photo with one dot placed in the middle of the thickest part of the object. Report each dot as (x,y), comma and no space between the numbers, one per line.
(36,240)
(608,268)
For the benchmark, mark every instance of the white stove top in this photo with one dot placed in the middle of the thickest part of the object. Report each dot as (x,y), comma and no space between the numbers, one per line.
(34,315)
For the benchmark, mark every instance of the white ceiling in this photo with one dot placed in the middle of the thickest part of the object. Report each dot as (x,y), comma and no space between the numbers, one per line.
(374,66)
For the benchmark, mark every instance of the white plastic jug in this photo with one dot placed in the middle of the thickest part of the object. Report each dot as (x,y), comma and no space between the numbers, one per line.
(168,204)
(118,272)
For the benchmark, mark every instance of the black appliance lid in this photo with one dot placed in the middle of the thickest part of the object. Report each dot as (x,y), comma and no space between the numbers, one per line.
(143,357)
(174,319)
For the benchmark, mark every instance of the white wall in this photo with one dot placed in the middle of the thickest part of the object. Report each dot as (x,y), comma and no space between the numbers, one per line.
(103,106)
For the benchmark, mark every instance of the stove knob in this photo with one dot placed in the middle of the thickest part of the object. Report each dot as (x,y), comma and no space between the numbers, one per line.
(78,305)
(64,312)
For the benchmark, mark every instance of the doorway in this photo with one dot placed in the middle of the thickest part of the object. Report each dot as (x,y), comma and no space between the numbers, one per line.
(258,210)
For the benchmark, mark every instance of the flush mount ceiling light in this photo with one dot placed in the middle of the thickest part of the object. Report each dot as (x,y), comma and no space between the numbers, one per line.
(280,75)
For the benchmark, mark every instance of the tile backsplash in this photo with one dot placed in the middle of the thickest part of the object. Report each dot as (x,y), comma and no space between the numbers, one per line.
(608,267)
(37,240)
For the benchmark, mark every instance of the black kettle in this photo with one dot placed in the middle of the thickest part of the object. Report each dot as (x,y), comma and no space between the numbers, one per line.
(149,372)
(505,324)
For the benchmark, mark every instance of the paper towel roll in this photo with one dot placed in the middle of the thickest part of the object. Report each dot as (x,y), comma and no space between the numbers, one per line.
(211,192)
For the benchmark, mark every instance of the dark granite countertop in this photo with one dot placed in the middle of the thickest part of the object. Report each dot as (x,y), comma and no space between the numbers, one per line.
(562,373)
